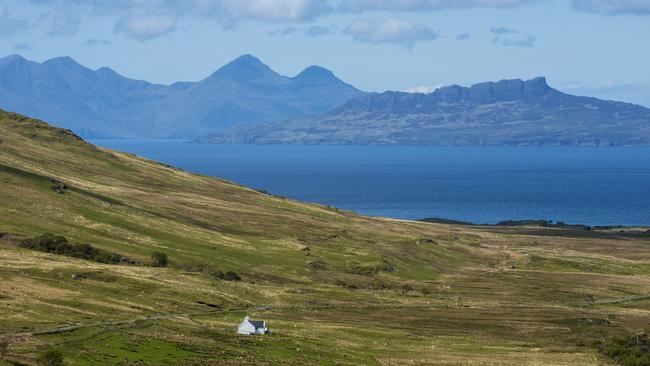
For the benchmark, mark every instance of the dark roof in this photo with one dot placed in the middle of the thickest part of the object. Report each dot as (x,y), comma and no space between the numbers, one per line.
(257,323)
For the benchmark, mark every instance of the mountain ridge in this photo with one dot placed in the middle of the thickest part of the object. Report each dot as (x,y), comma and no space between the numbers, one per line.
(103,103)
(507,112)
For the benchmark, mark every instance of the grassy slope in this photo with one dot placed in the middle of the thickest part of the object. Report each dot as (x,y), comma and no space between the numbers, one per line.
(467,305)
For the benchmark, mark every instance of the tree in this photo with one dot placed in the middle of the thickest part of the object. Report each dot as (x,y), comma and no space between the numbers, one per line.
(232,276)
(406,288)
(159,259)
(218,275)
(51,357)
(4,345)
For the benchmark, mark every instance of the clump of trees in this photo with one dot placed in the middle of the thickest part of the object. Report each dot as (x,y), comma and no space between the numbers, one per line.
(159,259)
(226,276)
(231,276)
(50,357)
(630,350)
(57,244)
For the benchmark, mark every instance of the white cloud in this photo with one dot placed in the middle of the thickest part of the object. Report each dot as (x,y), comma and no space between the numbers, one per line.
(423,89)
(613,7)
(312,31)
(272,10)
(393,31)
(512,38)
(144,27)
(503,30)
(524,41)
(148,19)
(427,5)
(92,42)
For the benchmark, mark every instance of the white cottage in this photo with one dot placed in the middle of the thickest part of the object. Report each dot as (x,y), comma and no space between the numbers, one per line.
(251,327)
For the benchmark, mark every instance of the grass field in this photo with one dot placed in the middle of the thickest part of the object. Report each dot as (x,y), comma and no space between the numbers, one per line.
(335,287)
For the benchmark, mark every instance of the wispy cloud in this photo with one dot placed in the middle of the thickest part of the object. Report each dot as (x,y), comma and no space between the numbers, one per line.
(10,25)
(632,92)
(19,47)
(144,27)
(313,31)
(93,42)
(66,16)
(463,36)
(427,5)
(613,7)
(393,31)
(426,89)
(509,37)
(503,30)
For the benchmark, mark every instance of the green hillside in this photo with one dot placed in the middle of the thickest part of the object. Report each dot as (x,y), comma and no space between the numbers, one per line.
(334,286)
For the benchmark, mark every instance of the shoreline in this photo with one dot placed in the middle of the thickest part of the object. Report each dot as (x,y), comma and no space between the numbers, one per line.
(539,224)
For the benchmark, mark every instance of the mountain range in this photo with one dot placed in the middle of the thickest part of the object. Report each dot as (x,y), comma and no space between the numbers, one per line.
(508,112)
(246,101)
(103,103)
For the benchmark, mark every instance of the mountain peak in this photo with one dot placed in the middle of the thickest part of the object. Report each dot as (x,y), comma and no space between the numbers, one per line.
(13,60)
(245,68)
(315,72)
(538,84)
(62,61)
(247,60)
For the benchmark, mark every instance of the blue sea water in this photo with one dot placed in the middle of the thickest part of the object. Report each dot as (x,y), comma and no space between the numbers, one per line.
(595,186)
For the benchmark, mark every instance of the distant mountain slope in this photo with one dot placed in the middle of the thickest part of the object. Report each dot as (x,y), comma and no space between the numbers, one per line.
(508,112)
(101,103)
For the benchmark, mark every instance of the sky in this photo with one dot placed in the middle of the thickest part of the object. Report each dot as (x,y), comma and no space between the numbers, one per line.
(589,47)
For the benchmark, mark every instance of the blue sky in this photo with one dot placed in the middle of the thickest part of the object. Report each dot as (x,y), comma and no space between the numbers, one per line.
(596,47)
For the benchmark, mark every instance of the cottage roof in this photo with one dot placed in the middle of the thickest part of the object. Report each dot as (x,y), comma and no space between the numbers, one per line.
(257,323)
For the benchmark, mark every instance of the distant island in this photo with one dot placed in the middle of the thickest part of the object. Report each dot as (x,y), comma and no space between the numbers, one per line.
(504,113)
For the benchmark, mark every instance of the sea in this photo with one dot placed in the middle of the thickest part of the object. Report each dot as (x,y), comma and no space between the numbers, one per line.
(579,185)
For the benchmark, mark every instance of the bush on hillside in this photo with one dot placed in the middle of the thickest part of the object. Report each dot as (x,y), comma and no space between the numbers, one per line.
(231,276)
(632,350)
(159,259)
(57,244)
(51,357)
(218,275)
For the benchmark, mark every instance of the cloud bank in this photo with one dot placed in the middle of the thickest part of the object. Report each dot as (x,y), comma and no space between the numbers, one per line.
(509,37)
(144,27)
(427,5)
(394,31)
(145,20)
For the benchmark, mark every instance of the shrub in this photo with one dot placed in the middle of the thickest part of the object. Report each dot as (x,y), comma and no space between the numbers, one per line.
(218,275)
(406,288)
(632,350)
(57,244)
(4,345)
(231,276)
(51,357)
(159,259)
